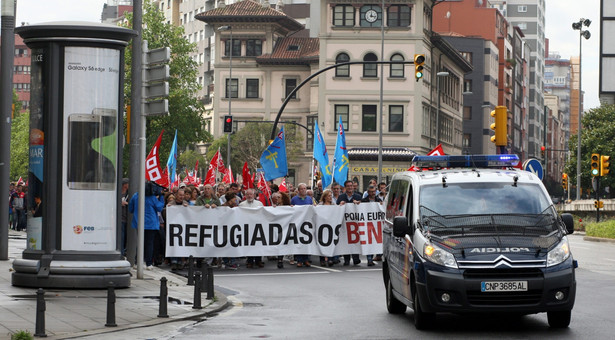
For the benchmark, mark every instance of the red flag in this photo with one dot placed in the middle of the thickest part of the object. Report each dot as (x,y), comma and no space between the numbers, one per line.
(437,151)
(263,186)
(283,187)
(217,162)
(228,176)
(153,172)
(196,171)
(20,181)
(210,178)
(247,178)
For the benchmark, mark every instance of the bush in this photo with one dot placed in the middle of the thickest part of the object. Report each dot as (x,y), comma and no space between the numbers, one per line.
(22,335)
(601,229)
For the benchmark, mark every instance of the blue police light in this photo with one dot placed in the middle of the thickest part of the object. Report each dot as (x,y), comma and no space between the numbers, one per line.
(466,161)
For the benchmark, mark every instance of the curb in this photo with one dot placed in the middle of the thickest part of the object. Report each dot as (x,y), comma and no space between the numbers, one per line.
(598,239)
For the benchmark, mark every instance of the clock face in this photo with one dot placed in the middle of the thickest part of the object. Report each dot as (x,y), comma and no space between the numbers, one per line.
(371,16)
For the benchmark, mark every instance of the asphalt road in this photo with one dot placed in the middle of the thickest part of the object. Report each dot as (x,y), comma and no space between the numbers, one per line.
(349,303)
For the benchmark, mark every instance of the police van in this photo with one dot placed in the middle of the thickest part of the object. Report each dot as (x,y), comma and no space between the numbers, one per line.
(471,234)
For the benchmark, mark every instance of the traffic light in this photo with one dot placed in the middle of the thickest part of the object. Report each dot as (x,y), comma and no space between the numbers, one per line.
(419,64)
(542,151)
(500,116)
(228,124)
(598,204)
(604,165)
(565,181)
(595,164)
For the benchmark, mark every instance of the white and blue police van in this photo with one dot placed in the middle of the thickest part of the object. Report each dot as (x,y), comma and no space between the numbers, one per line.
(471,234)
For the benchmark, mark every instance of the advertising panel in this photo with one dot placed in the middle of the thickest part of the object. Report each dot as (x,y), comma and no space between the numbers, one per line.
(90,119)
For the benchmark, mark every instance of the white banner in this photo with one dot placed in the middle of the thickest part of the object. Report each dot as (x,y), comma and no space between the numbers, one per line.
(268,231)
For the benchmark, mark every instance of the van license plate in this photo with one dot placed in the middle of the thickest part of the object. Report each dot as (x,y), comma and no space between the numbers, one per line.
(503,286)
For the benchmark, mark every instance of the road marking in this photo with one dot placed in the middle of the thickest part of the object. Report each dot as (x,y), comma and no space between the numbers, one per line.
(610,260)
(364,270)
(329,269)
(272,274)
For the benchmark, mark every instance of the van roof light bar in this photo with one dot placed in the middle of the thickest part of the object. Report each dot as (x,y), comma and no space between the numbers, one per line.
(466,161)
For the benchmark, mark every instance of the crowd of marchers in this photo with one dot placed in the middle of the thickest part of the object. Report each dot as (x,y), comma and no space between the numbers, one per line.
(157,200)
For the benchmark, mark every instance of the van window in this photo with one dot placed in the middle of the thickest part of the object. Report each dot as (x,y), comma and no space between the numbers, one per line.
(397,199)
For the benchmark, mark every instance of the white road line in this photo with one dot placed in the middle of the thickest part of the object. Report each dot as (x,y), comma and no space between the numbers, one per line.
(273,274)
(329,269)
(365,270)
(610,260)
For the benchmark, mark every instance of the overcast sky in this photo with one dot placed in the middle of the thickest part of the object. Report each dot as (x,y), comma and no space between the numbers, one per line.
(560,14)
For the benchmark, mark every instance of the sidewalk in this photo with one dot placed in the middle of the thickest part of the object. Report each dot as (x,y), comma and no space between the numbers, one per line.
(78,313)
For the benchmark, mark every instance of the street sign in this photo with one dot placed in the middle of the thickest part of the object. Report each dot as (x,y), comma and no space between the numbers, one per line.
(156,90)
(157,73)
(156,107)
(533,165)
(158,56)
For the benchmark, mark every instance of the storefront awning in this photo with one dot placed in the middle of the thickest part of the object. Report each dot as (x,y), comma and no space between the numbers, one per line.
(388,154)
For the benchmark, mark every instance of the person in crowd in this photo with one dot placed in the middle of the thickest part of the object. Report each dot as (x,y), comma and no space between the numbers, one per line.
(37,210)
(310,193)
(192,196)
(373,182)
(382,190)
(180,197)
(234,188)
(125,199)
(284,200)
(335,192)
(302,199)
(19,202)
(350,196)
(11,192)
(154,202)
(220,191)
(371,197)
(356,186)
(231,202)
(318,191)
(276,199)
(327,199)
(207,198)
(251,202)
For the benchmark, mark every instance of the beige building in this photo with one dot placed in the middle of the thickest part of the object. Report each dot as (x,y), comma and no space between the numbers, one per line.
(271,57)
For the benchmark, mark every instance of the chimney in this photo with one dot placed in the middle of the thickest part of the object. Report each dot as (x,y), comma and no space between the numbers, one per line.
(221,4)
(280,6)
(266,4)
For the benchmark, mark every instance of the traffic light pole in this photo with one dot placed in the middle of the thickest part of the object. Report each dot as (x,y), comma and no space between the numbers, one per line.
(598,199)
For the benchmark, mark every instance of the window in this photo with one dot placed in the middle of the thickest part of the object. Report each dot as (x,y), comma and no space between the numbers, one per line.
(254,47)
(343,15)
(398,16)
(289,86)
(371,16)
(522,9)
(467,140)
(370,70)
(236,47)
(251,88)
(309,137)
(467,85)
(396,118)
(467,56)
(369,119)
(232,89)
(467,112)
(522,25)
(342,71)
(397,70)
(341,111)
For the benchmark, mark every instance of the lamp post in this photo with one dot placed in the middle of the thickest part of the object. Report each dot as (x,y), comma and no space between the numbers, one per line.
(579,26)
(438,76)
(228,89)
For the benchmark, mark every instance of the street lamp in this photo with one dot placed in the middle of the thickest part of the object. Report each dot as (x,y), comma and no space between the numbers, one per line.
(579,26)
(438,76)
(228,88)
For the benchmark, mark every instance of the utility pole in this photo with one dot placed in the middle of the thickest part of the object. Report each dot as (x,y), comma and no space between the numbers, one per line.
(6,99)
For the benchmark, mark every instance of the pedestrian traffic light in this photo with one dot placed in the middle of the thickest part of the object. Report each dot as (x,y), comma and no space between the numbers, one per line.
(500,116)
(419,64)
(565,181)
(542,151)
(228,124)
(595,164)
(604,165)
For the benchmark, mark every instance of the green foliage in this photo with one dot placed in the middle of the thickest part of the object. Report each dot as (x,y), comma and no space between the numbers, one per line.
(22,335)
(601,229)
(189,158)
(20,132)
(248,144)
(184,107)
(597,136)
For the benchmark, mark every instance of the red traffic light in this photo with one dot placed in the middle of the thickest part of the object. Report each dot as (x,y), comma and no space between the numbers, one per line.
(229,120)
(542,148)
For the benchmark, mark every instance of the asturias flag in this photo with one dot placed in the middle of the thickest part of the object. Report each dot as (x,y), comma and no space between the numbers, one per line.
(321,155)
(340,158)
(273,159)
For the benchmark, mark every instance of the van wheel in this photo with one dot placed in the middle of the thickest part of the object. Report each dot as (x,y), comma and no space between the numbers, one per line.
(422,320)
(559,319)
(394,306)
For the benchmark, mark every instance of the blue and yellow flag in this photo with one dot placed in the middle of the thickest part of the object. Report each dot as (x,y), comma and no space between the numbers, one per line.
(340,157)
(320,154)
(273,159)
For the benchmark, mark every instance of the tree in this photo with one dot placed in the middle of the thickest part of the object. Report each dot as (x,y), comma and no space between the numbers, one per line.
(597,136)
(188,159)
(248,144)
(184,107)
(20,132)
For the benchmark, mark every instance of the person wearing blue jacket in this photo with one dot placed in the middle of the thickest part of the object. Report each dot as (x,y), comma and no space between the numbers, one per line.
(154,202)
